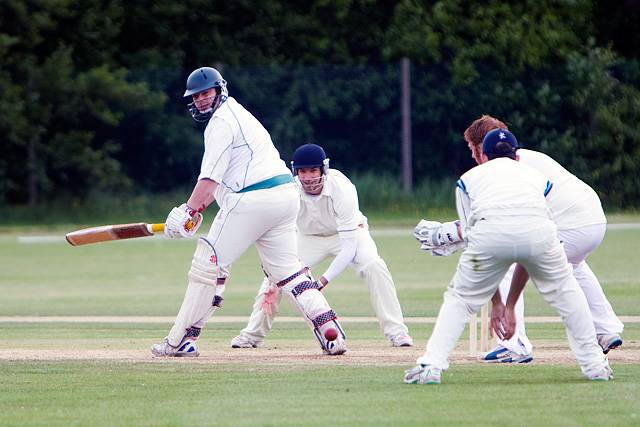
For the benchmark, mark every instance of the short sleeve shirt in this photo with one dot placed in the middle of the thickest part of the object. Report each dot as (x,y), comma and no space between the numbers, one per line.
(334,211)
(505,187)
(238,150)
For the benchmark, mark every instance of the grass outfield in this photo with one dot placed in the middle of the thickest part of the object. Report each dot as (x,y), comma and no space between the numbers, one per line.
(251,387)
(102,374)
(148,277)
(149,394)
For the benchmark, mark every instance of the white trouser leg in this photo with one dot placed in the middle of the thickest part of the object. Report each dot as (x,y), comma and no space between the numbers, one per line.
(382,290)
(604,318)
(519,343)
(578,244)
(259,323)
(470,288)
(384,299)
(453,316)
(553,277)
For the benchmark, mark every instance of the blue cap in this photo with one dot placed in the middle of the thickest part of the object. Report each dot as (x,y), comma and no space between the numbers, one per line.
(492,138)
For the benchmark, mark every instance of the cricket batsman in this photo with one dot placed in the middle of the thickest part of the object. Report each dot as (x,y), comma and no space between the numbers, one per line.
(242,171)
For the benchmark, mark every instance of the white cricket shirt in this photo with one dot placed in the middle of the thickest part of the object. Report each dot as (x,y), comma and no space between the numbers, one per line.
(573,203)
(238,150)
(504,187)
(335,210)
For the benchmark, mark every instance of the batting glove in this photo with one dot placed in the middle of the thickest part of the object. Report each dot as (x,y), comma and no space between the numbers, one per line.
(183,221)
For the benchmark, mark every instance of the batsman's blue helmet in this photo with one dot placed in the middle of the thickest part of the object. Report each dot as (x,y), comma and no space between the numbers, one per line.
(200,80)
(309,156)
(499,143)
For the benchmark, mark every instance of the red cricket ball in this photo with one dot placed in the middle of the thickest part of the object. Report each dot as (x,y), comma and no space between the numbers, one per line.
(331,334)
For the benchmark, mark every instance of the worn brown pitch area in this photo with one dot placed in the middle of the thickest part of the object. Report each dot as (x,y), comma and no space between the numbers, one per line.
(360,353)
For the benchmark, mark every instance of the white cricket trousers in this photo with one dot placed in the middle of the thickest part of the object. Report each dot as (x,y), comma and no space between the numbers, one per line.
(265,218)
(493,246)
(369,266)
(578,244)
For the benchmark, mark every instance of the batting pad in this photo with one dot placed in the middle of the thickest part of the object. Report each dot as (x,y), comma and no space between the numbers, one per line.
(197,305)
(313,305)
(200,297)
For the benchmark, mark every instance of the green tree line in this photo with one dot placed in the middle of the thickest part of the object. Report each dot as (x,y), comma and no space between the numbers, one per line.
(91,90)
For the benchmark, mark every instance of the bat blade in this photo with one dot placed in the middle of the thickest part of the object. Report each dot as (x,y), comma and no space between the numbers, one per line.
(106,233)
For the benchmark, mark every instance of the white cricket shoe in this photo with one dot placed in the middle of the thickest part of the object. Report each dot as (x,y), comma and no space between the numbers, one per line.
(501,354)
(609,342)
(402,340)
(242,341)
(187,348)
(605,375)
(336,347)
(422,374)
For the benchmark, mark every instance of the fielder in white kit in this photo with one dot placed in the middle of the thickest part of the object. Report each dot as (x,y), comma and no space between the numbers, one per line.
(504,219)
(330,223)
(578,214)
(242,170)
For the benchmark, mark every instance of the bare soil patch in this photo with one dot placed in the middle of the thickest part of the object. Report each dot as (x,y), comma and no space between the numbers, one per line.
(360,353)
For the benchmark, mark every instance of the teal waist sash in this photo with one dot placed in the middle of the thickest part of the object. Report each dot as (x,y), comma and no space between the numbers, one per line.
(268,183)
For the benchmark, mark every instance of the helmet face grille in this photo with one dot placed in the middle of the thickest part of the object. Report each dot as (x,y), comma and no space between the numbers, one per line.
(313,185)
(199,116)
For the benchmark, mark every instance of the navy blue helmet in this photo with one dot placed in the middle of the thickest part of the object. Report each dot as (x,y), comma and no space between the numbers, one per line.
(310,156)
(200,80)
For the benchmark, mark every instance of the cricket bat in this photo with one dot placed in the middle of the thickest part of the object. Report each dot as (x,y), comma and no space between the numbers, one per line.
(106,233)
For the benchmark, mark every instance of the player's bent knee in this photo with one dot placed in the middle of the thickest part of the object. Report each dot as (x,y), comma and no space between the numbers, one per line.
(377,264)
(204,266)
(375,268)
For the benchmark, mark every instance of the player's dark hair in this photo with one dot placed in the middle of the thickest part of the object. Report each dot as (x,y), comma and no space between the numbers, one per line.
(502,149)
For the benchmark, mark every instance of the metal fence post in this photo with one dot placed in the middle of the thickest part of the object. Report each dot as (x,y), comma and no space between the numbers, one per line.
(405,111)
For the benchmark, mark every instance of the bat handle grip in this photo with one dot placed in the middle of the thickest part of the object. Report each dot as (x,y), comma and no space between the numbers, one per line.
(155,228)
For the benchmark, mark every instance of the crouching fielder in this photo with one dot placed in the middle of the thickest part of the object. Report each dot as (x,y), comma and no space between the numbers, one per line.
(330,224)
(504,218)
(242,170)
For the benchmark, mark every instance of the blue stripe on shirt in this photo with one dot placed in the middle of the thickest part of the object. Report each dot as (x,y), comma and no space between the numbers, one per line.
(460,185)
(548,189)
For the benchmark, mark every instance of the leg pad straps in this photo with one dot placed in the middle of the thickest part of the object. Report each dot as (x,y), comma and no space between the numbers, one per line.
(304,286)
(293,276)
(325,317)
